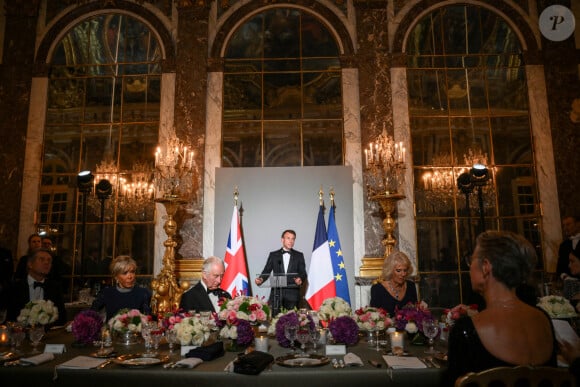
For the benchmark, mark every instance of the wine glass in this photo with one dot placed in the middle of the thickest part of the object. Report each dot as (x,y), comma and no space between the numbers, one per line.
(303,337)
(171,337)
(314,337)
(35,335)
(146,328)
(156,335)
(430,329)
(290,332)
(17,334)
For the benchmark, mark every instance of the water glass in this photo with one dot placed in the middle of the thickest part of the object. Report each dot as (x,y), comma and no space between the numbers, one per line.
(303,337)
(430,330)
(35,335)
(290,332)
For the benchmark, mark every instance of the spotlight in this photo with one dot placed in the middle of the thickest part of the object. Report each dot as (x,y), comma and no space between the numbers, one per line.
(104,189)
(479,174)
(464,183)
(85,181)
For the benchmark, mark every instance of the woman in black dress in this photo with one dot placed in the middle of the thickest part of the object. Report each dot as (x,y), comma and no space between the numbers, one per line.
(394,290)
(508,332)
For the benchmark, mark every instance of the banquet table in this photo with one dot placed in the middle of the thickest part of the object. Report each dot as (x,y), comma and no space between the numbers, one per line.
(212,373)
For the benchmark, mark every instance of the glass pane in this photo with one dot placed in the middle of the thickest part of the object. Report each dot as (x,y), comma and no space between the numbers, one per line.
(427,92)
(507,91)
(512,142)
(282,144)
(242,96)
(430,137)
(440,290)
(281,33)
(65,151)
(322,142)
(241,143)
(316,39)
(322,95)
(433,236)
(471,141)
(516,186)
(283,98)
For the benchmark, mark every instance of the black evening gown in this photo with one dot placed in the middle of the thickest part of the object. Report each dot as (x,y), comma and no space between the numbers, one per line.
(381,298)
(467,353)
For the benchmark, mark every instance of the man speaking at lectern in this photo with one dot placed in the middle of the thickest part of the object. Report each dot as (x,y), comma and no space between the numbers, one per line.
(280,263)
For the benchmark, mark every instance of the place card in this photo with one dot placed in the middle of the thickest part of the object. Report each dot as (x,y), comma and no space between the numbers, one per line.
(54,348)
(335,349)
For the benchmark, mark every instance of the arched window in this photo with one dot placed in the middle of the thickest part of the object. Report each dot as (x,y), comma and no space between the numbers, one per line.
(468,104)
(102,115)
(282,93)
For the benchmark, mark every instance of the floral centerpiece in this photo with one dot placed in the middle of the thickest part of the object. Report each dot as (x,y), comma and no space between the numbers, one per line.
(191,330)
(86,326)
(458,311)
(237,317)
(557,307)
(369,318)
(252,309)
(39,312)
(332,308)
(127,320)
(410,317)
(344,330)
(299,318)
(169,319)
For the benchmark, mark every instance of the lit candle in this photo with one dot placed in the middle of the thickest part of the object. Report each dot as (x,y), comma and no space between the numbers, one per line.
(397,340)
(4,337)
(261,343)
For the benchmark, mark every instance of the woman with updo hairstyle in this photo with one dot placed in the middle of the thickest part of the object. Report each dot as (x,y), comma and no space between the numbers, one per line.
(508,332)
(123,293)
(394,290)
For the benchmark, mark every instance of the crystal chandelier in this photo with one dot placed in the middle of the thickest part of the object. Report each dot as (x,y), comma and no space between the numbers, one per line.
(174,169)
(135,197)
(384,165)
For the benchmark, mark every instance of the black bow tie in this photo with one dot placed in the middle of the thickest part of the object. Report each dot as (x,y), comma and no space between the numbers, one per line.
(285,252)
(214,291)
(38,284)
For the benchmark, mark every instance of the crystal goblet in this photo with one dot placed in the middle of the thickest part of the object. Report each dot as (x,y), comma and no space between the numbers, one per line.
(35,335)
(430,330)
(303,337)
(290,332)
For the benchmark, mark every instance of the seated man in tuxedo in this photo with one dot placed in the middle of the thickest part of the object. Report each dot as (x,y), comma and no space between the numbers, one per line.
(36,286)
(205,295)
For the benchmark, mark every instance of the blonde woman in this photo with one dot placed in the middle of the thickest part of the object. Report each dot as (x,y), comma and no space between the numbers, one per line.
(394,290)
(123,293)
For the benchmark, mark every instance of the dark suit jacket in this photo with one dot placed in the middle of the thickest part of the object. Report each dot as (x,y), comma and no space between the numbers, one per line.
(289,296)
(18,296)
(197,299)
(564,256)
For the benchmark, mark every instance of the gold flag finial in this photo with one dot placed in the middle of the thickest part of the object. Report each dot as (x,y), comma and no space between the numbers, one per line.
(331,194)
(320,194)
(236,194)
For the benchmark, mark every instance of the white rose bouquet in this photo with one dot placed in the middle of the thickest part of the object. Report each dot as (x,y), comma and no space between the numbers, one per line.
(557,307)
(332,308)
(191,330)
(39,312)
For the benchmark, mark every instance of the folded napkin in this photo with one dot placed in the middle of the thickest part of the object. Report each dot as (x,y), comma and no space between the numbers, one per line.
(38,359)
(350,359)
(190,362)
(209,352)
(403,362)
(82,362)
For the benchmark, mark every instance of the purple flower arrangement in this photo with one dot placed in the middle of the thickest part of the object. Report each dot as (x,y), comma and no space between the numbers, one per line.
(410,317)
(344,330)
(86,327)
(291,318)
(245,333)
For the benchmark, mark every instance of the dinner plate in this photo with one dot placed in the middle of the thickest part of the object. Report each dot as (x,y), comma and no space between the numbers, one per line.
(140,361)
(298,360)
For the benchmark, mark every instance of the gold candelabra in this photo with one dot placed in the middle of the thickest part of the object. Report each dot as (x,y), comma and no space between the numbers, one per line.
(174,169)
(166,292)
(385,167)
